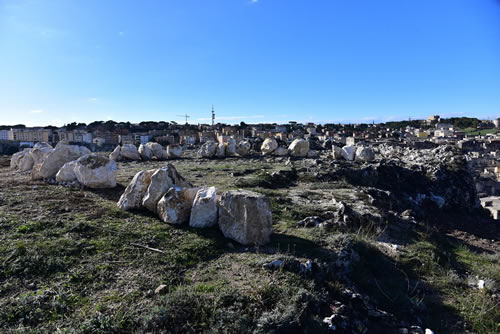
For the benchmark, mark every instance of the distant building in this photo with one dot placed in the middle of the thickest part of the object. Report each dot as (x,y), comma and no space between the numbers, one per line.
(4,134)
(32,135)
(432,119)
(496,121)
(127,139)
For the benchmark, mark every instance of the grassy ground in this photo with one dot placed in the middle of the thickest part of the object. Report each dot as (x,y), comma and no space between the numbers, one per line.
(71,261)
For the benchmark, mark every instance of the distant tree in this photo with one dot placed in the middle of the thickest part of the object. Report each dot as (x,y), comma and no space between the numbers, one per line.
(110,125)
(71,126)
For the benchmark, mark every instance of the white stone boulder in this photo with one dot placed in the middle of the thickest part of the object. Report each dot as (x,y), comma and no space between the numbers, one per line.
(299,148)
(95,171)
(67,172)
(231,147)
(16,157)
(268,146)
(145,152)
(175,206)
(133,195)
(336,152)
(26,162)
(245,216)
(204,211)
(365,154)
(161,181)
(280,151)
(243,148)
(174,151)
(349,152)
(39,153)
(61,154)
(208,149)
(157,150)
(129,151)
(221,151)
(115,155)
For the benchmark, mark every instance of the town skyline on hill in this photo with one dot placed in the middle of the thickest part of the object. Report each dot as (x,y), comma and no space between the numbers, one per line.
(256,61)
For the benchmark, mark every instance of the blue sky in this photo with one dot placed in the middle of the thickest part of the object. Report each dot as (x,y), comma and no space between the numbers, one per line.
(257,61)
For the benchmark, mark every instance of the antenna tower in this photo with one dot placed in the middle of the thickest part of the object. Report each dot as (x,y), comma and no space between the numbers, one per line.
(185,116)
(213,115)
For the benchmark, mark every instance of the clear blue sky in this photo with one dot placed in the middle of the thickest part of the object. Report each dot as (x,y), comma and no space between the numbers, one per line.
(256,61)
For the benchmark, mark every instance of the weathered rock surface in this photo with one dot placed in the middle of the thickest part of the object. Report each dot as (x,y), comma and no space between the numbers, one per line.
(129,151)
(115,155)
(95,171)
(280,152)
(365,154)
(204,211)
(348,152)
(231,147)
(145,152)
(245,217)
(336,152)
(26,163)
(174,151)
(299,148)
(207,150)
(175,206)
(133,195)
(161,181)
(39,153)
(221,150)
(158,151)
(67,172)
(243,148)
(269,146)
(58,157)
(16,157)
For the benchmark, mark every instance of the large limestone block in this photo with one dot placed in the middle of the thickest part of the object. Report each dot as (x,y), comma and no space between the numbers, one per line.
(348,152)
(67,172)
(58,157)
(269,146)
(115,155)
(245,217)
(16,157)
(336,152)
(145,152)
(40,153)
(299,148)
(365,154)
(221,151)
(157,150)
(26,163)
(175,206)
(280,151)
(134,193)
(174,151)
(208,149)
(243,148)
(129,151)
(95,171)
(204,211)
(161,181)
(231,147)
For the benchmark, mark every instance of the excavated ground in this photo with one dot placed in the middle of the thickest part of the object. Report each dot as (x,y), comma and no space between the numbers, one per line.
(71,261)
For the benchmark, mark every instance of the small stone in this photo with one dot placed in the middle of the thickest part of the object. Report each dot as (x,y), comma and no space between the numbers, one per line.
(161,289)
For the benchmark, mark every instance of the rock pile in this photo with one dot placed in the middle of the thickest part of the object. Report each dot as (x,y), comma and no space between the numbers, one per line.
(67,164)
(243,216)
(146,152)
(351,153)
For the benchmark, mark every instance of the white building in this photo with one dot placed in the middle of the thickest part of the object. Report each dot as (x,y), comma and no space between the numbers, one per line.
(4,134)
